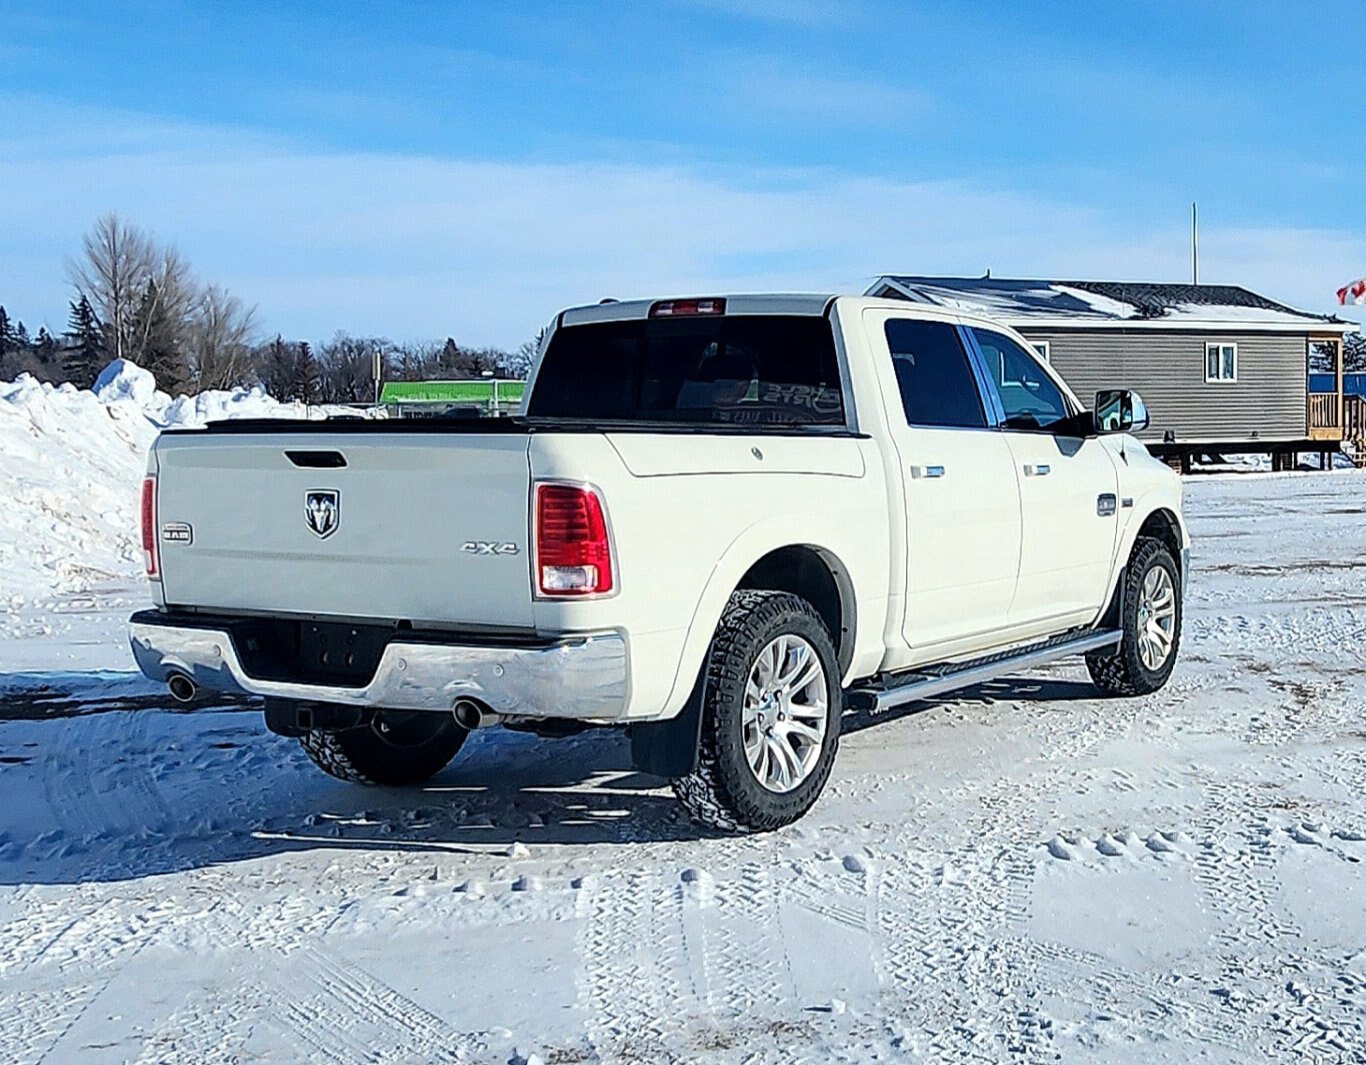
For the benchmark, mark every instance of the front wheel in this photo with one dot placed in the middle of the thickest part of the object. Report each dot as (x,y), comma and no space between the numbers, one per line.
(1150,614)
(394,747)
(770,716)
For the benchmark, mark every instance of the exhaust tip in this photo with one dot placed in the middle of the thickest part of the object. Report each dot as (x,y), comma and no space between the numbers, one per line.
(471,714)
(182,688)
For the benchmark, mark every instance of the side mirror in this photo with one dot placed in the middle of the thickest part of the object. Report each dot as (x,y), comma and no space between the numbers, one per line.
(1120,411)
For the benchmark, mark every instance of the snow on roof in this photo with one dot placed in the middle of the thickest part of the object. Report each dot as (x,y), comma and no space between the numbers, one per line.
(1037,302)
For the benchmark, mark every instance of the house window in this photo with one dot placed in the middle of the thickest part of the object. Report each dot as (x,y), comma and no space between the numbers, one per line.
(1041,349)
(1221,362)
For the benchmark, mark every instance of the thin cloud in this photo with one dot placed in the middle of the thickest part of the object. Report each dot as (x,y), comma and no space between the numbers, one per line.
(797,12)
(410,246)
(770,87)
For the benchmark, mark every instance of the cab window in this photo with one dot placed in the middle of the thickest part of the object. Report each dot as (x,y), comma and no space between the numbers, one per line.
(1030,399)
(938,389)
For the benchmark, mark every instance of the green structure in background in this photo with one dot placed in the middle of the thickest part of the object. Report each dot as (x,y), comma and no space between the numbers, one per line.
(433,399)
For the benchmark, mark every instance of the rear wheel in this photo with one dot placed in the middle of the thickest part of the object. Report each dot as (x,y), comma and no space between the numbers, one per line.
(1151,617)
(770,716)
(393,748)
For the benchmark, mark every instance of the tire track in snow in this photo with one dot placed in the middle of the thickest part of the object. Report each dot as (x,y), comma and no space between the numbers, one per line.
(745,958)
(96,799)
(211,1025)
(33,1021)
(970,925)
(97,930)
(357,997)
(630,927)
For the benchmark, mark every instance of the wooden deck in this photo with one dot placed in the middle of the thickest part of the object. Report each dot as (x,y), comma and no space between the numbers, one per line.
(1324,417)
(1354,426)
(1324,414)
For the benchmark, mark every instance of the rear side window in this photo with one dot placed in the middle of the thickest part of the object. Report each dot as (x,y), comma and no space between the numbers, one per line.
(938,389)
(775,370)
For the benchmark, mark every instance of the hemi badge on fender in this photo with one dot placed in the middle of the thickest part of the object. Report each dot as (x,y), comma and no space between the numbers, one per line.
(177,532)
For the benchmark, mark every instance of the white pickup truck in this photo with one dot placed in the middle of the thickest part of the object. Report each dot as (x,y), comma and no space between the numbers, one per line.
(718,522)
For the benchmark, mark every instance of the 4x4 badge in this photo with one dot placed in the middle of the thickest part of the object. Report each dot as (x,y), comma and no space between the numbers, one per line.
(485,547)
(322,511)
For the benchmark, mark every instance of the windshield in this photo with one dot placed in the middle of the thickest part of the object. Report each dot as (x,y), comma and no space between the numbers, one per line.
(776,370)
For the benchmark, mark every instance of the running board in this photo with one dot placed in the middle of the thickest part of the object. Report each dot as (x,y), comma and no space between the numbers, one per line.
(898,690)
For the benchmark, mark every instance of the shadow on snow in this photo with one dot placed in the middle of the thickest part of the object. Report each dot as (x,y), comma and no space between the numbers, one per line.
(131,793)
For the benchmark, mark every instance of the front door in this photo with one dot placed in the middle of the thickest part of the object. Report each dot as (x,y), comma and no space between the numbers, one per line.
(1068,491)
(960,509)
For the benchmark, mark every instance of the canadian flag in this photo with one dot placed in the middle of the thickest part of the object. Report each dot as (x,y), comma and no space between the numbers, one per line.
(1356,290)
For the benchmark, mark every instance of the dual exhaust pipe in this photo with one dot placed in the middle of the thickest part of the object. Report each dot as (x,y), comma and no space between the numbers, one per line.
(470,714)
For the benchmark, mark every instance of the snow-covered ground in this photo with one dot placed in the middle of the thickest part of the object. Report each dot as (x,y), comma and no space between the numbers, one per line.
(1025,874)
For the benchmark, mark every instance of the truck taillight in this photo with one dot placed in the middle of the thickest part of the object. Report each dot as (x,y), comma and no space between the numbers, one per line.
(573,552)
(149,525)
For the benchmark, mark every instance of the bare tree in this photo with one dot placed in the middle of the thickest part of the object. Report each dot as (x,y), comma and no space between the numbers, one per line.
(176,292)
(519,362)
(221,329)
(415,361)
(347,364)
(118,261)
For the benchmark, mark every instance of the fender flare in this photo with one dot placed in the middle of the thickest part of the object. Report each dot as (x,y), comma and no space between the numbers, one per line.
(1148,504)
(760,539)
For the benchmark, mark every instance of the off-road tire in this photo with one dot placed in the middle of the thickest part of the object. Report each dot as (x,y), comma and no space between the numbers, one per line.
(1122,671)
(362,755)
(722,791)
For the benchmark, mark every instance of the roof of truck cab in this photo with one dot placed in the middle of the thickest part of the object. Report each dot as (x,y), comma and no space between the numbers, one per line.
(744,303)
(783,303)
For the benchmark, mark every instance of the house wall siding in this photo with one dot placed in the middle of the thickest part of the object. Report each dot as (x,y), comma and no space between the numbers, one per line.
(1168,368)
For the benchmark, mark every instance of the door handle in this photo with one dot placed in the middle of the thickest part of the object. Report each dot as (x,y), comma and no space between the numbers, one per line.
(927,471)
(1037,470)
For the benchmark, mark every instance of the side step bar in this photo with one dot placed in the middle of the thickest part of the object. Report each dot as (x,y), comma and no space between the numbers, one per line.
(899,689)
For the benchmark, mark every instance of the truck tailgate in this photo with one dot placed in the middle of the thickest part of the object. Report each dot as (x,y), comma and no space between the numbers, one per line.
(421,526)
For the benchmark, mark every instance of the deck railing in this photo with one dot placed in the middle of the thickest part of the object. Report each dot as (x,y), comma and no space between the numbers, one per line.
(1354,419)
(1323,411)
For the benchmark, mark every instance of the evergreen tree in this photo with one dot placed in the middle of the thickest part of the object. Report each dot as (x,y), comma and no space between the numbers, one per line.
(308,377)
(8,341)
(448,363)
(86,351)
(162,352)
(277,369)
(44,344)
(47,356)
(1354,353)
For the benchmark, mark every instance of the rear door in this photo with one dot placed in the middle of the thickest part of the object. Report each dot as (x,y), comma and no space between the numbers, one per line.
(423,526)
(961,515)
(1068,487)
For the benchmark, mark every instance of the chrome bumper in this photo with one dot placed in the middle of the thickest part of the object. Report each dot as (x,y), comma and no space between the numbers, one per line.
(581,677)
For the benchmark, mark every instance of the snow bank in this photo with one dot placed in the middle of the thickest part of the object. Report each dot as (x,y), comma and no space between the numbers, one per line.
(123,380)
(71,465)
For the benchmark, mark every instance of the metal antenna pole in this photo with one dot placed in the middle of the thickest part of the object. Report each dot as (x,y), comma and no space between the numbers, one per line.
(1195,245)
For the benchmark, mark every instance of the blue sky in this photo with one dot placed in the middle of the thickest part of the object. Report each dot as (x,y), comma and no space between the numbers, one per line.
(422,169)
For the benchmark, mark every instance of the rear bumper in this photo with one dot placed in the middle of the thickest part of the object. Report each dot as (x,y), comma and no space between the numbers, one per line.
(582,677)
